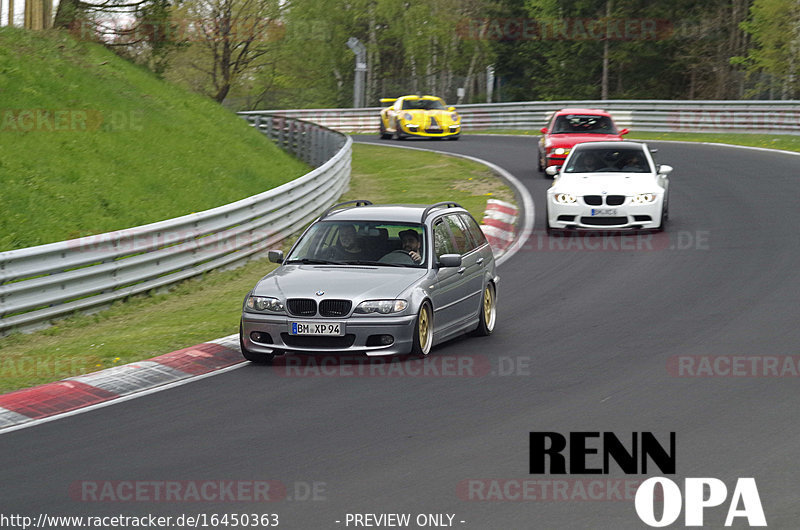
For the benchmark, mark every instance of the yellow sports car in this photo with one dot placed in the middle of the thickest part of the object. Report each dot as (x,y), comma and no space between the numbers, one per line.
(425,116)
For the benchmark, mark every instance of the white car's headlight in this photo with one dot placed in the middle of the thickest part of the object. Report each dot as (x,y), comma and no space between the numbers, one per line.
(383,307)
(565,198)
(264,304)
(560,151)
(644,198)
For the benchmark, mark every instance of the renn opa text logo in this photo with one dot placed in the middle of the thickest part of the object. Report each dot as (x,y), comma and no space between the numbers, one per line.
(550,453)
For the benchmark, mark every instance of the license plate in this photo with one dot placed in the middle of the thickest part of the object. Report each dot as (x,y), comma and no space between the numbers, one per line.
(316,328)
(600,212)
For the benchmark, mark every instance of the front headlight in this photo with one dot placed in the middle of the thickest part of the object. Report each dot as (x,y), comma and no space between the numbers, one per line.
(408,117)
(565,198)
(383,307)
(644,198)
(560,151)
(264,304)
(454,116)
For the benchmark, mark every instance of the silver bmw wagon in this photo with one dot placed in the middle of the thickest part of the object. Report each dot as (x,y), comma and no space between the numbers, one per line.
(374,279)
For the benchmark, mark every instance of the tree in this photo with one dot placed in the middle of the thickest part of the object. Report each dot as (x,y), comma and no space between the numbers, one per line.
(235,36)
(774,59)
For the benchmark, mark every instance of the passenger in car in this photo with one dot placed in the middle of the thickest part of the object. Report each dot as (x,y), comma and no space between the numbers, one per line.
(348,247)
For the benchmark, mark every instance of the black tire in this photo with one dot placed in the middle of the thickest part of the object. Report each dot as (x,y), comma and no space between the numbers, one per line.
(254,357)
(423,331)
(664,216)
(487,314)
(547,228)
(539,164)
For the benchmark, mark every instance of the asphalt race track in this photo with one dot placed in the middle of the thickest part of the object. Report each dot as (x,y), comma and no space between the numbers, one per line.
(591,336)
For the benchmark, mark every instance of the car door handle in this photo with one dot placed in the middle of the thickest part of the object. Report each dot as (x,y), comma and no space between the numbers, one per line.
(461,270)
(480,261)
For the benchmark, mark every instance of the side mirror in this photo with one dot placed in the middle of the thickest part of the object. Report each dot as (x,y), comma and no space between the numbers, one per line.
(275,256)
(624,132)
(543,130)
(449,260)
(552,171)
(664,169)
(451,109)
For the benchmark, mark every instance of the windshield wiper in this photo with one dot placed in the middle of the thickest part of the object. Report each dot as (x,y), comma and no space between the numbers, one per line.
(310,261)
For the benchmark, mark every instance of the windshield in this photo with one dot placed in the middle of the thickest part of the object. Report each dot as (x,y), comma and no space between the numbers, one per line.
(580,124)
(608,159)
(362,243)
(423,104)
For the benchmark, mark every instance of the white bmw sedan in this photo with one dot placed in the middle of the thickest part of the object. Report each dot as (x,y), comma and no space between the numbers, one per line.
(608,186)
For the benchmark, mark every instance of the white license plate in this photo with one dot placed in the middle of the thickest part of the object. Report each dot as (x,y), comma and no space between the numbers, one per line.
(601,212)
(316,328)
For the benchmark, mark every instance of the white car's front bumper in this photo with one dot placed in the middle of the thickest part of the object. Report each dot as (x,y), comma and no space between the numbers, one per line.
(582,216)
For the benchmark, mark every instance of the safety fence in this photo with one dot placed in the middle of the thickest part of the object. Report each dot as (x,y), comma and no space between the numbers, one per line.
(39,284)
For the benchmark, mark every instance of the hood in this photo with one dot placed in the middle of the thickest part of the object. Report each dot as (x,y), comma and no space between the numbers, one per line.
(608,183)
(568,139)
(442,116)
(338,281)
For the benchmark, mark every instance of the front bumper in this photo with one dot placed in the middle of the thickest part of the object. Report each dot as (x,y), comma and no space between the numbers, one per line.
(627,216)
(358,331)
(446,131)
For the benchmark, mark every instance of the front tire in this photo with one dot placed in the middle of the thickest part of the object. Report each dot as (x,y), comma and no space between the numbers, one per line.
(487,317)
(423,331)
(254,357)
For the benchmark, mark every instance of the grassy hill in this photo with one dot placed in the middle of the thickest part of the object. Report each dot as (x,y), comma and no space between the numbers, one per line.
(91,143)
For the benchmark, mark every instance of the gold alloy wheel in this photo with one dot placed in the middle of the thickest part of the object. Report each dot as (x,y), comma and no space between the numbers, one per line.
(489,310)
(424,329)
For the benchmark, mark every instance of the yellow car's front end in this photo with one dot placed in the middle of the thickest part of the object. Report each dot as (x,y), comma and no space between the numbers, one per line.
(423,116)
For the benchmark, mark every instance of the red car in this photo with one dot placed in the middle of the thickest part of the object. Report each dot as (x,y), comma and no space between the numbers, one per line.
(568,127)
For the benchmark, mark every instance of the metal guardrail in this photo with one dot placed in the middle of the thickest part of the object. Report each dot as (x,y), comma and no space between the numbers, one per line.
(782,117)
(46,282)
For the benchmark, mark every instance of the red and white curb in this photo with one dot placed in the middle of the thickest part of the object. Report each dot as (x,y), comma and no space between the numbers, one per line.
(46,401)
(499,224)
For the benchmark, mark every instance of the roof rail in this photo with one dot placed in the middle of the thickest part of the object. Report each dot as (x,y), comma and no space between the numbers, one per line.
(446,204)
(337,206)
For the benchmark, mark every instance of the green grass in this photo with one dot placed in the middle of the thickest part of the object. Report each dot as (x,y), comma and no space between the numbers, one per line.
(785,142)
(91,143)
(205,309)
(391,175)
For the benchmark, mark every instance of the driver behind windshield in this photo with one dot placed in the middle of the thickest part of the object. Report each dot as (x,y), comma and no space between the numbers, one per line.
(411,243)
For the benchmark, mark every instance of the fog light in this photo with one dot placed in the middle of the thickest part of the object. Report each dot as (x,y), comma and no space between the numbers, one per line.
(260,336)
(380,340)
